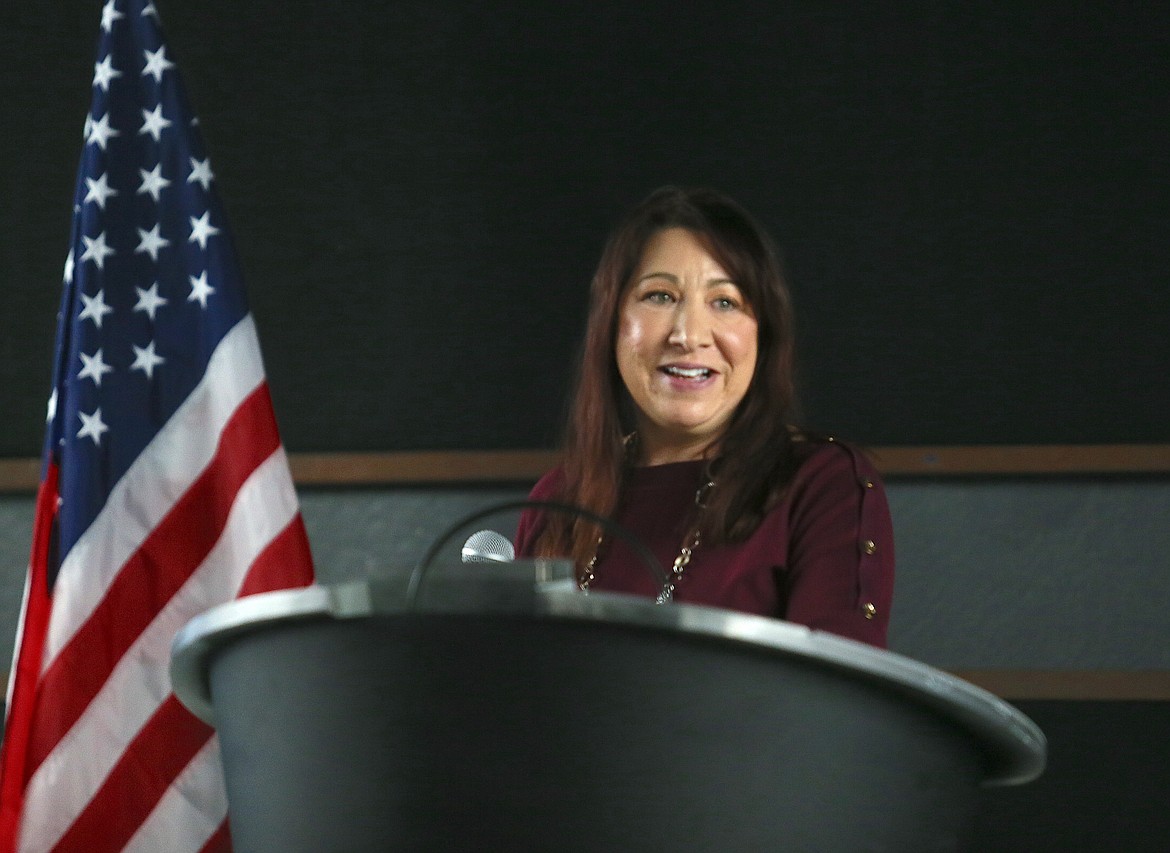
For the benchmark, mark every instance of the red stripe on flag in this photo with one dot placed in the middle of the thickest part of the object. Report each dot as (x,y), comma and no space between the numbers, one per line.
(144,772)
(173,736)
(167,558)
(282,562)
(27,668)
(220,841)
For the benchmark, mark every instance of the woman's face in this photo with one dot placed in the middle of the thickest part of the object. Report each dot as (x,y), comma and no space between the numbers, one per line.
(686,347)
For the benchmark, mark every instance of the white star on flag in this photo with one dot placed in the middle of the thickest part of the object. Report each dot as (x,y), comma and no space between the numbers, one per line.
(201,229)
(100,131)
(154,123)
(104,72)
(146,360)
(94,367)
(99,190)
(109,15)
(151,241)
(201,172)
(149,300)
(152,182)
(95,308)
(96,250)
(92,426)
(157,63)
(200,289)
(68,272)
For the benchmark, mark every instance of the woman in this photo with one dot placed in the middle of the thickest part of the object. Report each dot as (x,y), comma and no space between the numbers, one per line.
(680,431)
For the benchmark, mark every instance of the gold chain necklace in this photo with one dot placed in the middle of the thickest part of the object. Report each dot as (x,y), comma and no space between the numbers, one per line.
(690,543)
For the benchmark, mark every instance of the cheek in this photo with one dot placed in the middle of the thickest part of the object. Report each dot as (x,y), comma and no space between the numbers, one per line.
(746,361)
(631,335)
(624,350)
(742,348)
(751,353)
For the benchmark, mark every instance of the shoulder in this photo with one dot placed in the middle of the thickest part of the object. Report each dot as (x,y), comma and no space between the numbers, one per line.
(831,475)
(547,488)
(825,458)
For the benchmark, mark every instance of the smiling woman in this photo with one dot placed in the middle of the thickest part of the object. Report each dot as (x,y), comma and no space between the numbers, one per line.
(682,429)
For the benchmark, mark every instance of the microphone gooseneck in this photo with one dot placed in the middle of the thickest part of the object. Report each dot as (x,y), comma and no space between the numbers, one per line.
(608,525)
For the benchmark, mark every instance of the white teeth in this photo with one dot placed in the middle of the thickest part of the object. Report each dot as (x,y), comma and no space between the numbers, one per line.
(689,372)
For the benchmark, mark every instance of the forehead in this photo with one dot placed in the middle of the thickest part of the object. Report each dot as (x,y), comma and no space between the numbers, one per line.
(678,252)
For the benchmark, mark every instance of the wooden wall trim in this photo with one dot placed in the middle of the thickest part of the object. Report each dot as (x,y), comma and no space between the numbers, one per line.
(525,466)
(19,475)
(1079,685)
(450,466)
(1010,459)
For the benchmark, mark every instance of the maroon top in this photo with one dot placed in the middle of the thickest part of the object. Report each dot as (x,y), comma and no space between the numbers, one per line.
(823,557)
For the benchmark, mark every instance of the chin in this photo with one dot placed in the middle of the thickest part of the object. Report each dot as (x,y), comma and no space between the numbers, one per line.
(690,431)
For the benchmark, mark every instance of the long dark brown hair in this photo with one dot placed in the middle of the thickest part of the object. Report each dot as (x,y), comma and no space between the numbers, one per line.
(754,455)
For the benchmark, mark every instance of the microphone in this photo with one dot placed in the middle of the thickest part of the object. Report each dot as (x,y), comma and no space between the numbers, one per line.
(488,546)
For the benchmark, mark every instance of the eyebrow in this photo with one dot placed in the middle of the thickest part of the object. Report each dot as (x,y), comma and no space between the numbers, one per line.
(673,279)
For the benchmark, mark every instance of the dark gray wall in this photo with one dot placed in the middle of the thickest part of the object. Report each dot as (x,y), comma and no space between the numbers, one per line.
(969,197)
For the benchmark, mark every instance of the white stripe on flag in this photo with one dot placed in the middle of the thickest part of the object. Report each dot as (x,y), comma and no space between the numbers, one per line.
(160,475)
(191,809)
(73,772)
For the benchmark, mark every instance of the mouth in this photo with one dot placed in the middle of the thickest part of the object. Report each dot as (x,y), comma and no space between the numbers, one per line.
(694,374)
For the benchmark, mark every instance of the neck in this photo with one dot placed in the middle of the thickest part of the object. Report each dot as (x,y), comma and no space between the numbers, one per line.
(658,452)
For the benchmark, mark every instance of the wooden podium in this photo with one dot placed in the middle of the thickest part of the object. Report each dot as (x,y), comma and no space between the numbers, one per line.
(496,713)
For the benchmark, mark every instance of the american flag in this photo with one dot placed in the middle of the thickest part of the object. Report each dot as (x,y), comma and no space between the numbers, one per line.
(165,488)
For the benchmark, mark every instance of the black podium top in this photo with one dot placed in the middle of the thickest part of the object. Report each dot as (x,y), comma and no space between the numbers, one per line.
(1014,746)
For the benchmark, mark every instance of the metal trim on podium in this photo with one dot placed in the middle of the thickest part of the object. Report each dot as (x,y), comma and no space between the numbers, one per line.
(495,712)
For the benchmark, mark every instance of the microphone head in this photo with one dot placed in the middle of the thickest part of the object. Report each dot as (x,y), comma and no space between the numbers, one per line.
(488,546)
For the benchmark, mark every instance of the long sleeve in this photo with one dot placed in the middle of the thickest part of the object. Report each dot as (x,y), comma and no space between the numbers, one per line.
(839,576)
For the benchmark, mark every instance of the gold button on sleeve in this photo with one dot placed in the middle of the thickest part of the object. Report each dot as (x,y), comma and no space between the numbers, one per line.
(869,546)
(869,610)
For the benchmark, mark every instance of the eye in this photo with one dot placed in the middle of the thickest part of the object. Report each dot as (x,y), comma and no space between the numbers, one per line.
(658,297)
(725,303)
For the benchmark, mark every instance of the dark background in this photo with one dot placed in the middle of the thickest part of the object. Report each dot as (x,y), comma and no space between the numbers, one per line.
(971,199)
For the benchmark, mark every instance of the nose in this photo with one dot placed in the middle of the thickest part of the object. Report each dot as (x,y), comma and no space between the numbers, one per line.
(690,329)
